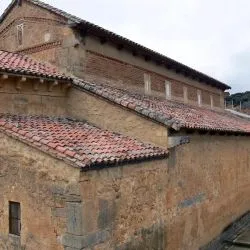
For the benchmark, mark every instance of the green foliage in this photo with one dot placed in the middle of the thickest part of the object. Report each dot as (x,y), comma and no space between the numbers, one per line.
(244,98)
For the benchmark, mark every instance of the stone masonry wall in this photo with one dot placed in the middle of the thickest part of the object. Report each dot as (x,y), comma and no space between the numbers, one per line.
(85,106)
(105,62)
(37,23)
(31,101)
(179,204)
(48,37)
(103,68)
(45,187)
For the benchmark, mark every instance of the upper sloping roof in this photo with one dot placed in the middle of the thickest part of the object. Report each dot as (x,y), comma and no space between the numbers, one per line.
(98,31)
(21,64)
(170,113)
(78,143)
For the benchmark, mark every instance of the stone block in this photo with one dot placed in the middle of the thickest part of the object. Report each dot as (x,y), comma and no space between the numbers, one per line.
(80,242)
(74,218)
(59,212)
(106,213)
(73,241)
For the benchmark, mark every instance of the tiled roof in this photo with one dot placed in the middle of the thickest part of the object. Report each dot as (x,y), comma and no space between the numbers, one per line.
(130,45)
(16,63)
(235,236)
(170,113)
(78,143)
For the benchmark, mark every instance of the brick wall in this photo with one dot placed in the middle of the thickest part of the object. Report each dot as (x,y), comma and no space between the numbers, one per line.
(177,89)
(192,94)
(107,69)
(206,98)
(97,65)
(216,99)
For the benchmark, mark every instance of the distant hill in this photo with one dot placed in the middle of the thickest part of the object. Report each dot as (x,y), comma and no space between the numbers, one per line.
(236,99)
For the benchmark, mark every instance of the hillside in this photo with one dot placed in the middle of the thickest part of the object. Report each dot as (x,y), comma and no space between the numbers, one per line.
(236,99)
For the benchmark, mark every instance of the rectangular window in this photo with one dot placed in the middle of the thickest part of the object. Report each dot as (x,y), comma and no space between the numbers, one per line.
(199,97)
(212,101)
(168,89)
(20,34)
(185,91)
(147,83)
(14,218)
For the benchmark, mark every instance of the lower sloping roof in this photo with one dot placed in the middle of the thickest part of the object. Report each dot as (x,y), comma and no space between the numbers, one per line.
(78,143)
(235,237)
(170,113)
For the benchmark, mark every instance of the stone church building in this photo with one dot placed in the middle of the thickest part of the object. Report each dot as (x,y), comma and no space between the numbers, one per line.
(108,145)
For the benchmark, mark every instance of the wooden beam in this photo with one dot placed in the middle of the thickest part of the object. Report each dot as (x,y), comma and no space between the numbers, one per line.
(52,85)
(19,83)
(134,52)
(158,62)
(36,86)
(120,46)
(103,40)
(168,66)
(66,86)
(4,77)
(147,58)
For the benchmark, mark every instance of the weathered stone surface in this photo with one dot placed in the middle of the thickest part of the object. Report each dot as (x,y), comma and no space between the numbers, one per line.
(36,180)
(85,241)
(189,197)
(74,218)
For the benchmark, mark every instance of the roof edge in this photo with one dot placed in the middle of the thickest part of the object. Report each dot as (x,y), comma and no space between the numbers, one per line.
(169,122)
(7,10)
(95,30)
(13,133)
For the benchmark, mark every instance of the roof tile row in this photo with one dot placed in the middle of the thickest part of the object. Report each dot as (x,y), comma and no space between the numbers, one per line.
(78,143)
(170,113)
(21,64)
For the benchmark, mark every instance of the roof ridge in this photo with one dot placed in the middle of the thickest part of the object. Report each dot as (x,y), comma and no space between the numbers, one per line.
(160,56)
(170,113)
(56,10)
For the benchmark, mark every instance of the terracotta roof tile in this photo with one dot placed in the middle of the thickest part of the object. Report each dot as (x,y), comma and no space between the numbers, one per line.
(78,143)
(101,32)
(16,63)
(169,113)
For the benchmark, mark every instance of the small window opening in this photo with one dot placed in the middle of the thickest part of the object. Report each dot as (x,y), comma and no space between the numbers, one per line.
(212,101)
(199,97)
(168,89)
(20,34)
(147,83)
(14,218)
(185,91)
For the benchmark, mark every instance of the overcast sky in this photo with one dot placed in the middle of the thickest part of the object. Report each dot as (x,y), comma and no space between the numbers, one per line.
(211,36)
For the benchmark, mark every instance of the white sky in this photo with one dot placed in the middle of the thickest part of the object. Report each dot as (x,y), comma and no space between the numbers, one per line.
(211,36)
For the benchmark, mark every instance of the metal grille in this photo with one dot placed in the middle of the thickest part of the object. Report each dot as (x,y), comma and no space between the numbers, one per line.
(14,218)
